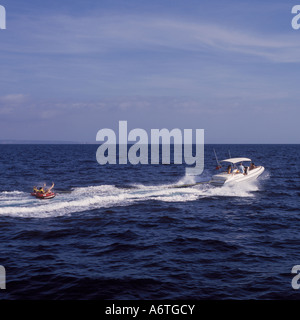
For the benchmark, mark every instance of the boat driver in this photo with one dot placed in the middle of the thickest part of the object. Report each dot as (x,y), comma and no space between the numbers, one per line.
(241,168)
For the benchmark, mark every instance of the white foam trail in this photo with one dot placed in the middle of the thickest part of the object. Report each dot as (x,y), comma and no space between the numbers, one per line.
(186,180)
(241,189)
(20,204)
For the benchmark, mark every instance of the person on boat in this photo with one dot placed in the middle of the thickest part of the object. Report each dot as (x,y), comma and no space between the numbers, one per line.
(241,168)
(41,190)
(49,190)
(252,166)
(229,169)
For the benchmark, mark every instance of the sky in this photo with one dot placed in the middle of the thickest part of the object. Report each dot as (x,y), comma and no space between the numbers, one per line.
(71,68)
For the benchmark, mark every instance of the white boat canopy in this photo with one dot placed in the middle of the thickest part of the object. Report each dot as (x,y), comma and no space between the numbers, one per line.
(236,160)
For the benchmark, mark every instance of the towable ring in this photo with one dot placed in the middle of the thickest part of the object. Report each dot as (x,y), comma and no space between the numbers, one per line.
(39,195)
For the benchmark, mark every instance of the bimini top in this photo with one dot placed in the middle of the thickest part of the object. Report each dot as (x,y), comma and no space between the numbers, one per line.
(236,160)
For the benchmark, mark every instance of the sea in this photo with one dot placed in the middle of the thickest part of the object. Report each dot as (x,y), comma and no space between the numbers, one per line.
(147,232)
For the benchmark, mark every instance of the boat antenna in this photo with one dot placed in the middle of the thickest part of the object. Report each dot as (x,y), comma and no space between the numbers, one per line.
(218,163)
(229,153)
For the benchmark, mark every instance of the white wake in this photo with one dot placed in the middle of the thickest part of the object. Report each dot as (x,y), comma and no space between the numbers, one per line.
(22,204)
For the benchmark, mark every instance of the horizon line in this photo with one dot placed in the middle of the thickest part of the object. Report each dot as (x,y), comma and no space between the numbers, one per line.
(67,142)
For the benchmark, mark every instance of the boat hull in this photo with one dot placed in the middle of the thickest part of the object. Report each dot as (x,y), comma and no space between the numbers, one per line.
(228,178)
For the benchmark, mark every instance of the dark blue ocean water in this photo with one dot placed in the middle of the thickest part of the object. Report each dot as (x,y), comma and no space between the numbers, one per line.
(124,231)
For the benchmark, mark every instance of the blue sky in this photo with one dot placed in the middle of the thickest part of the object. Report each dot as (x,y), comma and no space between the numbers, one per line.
(71,68)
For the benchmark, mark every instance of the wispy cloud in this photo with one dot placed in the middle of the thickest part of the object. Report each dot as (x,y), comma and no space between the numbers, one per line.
(10,103)
(62,34)
(24,117)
